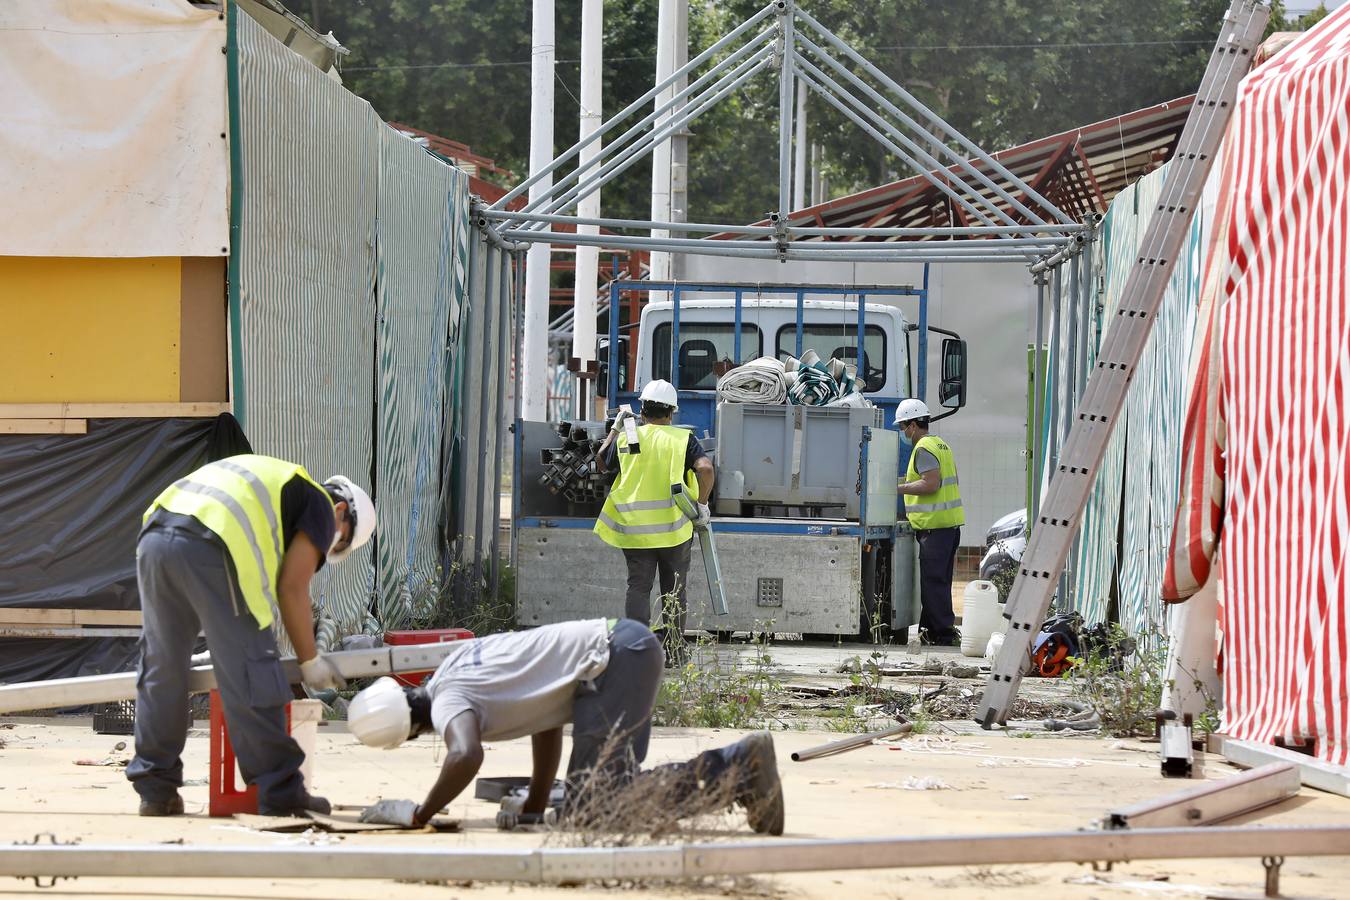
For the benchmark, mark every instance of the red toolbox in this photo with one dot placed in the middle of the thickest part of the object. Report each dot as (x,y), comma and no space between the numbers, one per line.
(431,636)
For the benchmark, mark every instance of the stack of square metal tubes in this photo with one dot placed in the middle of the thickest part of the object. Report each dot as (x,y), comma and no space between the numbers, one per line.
(570,470)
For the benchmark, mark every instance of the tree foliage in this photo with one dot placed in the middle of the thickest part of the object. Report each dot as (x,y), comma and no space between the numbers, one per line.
(1000,71)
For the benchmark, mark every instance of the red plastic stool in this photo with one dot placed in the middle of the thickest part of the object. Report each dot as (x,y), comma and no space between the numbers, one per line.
(431,636)
(226,798)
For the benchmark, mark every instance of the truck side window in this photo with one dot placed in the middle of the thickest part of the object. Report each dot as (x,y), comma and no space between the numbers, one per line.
(706,352)
(840,342)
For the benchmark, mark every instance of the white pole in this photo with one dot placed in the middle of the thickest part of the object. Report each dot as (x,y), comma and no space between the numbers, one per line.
(534,377)
(815,175)
(665,65)
(800,156)
(588,207)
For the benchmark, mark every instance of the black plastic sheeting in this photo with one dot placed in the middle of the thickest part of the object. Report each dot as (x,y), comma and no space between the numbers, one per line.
(70,511)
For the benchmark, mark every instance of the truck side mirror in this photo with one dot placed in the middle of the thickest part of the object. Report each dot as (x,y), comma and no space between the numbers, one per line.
(602,358)
(952,390)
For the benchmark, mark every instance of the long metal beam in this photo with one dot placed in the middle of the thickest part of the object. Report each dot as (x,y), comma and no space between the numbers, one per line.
(683,72)
(552,865)
(643,134)
(636,151)
(822,87)
(1050,232)
(58,692)
(913,102)
(1016,247)
(894,110)
(1212,801)
(1054,531)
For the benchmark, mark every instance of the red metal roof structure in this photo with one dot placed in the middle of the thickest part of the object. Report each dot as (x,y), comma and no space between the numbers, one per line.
(1078,170)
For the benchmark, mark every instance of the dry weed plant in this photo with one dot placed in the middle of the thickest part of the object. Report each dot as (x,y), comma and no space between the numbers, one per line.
(614,805)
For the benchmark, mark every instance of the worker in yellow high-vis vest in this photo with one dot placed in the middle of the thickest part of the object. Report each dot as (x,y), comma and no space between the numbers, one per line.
(229,549)
(640,516)
(933,505)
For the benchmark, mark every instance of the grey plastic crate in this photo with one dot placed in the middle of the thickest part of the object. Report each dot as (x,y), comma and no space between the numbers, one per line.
(791,455)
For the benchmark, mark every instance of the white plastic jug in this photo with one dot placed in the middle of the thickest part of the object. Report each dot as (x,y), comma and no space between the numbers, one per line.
(981,616)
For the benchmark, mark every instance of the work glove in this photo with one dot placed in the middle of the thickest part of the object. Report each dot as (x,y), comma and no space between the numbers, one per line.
(319,674)
(704,516)
(391,812)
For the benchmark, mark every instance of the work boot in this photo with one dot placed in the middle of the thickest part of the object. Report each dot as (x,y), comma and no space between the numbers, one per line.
(939,639)
(308,803)
(173,806)
(761,791)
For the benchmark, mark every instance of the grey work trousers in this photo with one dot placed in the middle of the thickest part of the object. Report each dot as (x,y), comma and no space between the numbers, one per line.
(671,564)
(187,585)
(612,718)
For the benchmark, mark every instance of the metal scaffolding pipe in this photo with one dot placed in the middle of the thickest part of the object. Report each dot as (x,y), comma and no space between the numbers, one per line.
(894,110)
(726,40)
(634,152)
(756,48)
(801,153)
(551,865)
(934,118)
(889,144)
(785,69)
(665,66)
(962,248)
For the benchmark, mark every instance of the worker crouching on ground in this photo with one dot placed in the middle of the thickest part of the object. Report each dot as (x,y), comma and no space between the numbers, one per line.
(223,550)
(933,506)
(640,516)
(601,675)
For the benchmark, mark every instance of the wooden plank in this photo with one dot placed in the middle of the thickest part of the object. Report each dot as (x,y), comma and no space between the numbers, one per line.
(36,616)
(111,410)
(44,426)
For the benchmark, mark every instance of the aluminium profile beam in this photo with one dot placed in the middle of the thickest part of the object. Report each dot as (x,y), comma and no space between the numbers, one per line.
(643,135)
(638,150)
(1017,247)
(934,119)
(1094,418)
(683,72)
(887,105)
(1211,802)
(1313,772)
(59,692)
(553,865)
(827,88)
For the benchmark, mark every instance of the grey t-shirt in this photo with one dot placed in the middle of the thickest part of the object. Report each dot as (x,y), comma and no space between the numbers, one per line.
(925,461)
(519,682)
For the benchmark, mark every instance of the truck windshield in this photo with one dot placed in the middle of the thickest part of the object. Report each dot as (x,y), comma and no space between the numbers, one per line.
(706,351)
(840,341)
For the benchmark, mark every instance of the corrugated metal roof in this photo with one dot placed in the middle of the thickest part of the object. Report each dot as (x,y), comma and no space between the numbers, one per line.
(1078,170)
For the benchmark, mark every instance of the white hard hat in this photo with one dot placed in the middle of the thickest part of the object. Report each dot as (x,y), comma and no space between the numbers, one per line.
(660,391)
(911,409)
(380,716)
(362,510)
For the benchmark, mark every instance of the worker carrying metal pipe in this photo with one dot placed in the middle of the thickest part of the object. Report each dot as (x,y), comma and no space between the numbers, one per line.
(225,550)
(640,516)
(933,506)
(602,676)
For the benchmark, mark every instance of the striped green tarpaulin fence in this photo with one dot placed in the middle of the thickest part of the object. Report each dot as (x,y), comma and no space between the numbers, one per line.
(1123,541)
(365,348)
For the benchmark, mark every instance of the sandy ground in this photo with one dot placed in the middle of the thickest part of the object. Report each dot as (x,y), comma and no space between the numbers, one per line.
(994,783)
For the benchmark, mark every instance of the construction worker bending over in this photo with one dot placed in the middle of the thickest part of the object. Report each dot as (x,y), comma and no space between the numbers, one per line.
(640,516)
(224,550)
(601,675)
(933,505)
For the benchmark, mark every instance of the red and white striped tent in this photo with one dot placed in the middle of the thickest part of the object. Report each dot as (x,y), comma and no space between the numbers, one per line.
(1265,499)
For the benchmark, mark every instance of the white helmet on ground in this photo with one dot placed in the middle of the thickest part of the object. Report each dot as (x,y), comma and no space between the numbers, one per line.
(660,391)
(911,409)
(359,506)
(380,715)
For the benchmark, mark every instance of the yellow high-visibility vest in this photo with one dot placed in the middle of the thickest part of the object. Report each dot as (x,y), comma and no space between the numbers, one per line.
(942,508)
(239,499)
(640,511)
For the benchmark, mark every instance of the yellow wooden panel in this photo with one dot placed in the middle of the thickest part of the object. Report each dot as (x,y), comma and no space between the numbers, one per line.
(89,330)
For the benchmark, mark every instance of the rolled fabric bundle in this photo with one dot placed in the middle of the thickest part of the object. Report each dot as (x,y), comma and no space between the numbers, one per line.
(758,381)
